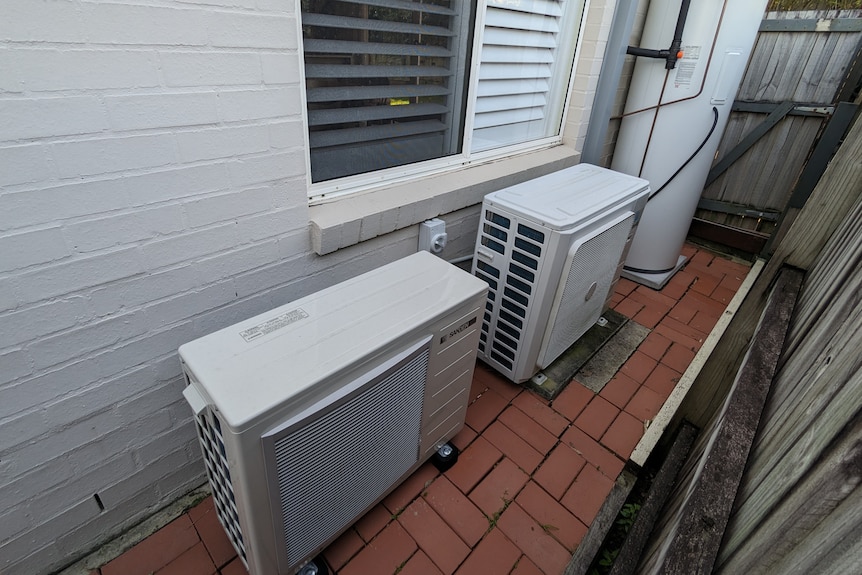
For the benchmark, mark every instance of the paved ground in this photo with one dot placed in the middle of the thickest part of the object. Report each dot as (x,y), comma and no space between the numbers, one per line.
(532,474)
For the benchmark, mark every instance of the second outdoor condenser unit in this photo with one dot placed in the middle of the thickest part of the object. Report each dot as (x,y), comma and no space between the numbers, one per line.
(551,250)
(311,413)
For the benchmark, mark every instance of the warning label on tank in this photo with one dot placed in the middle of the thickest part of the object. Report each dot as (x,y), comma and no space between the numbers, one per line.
(686,66)
(273,324)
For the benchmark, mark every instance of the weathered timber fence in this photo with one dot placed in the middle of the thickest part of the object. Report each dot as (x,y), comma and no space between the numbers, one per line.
(798,506)
(804,64)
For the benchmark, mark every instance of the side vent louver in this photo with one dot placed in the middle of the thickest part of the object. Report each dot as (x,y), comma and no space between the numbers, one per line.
(512,287)
(224,499)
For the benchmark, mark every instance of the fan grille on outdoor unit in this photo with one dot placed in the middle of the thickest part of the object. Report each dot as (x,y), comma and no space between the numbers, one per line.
(332,469)
(215,457)
(595,261)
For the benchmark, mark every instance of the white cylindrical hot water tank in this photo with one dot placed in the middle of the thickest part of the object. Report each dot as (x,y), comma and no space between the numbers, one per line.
(670,114)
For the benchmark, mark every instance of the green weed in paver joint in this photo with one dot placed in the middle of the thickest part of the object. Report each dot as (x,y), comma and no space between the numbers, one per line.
(492,520)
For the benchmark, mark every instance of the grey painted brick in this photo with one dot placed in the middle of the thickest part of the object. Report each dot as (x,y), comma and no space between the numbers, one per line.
(46,117)
(188,246)
(181,481)
(175,183)
(154,470)
(109,523)
(28,553)
(76,274)
(229,264)
(34,497)
(20,488)
(8,301)
(187,305)
(101,155)
(86,339)
(78,69)
(35,452)
(167,369)
(176,439)
(243,105)
(264,278)
(58,203)
(224,3)
(26,21)
(94,428)
(151,25)
(294,243)
(275,6)
(210,68)
(118,229)
(222,142)
(81,487)
(45,387)
(288,134)
(292,193)
(162,110)
(280,68)
(227,206)
(271,224)
(268,168)
(90,456)
(13,522)
(20,428)
(23,164)
(133,292)
(16,364)
(230,314)
(26,249)
(233,30)
(30,323)
(151,400)
(86,402)
(141,352)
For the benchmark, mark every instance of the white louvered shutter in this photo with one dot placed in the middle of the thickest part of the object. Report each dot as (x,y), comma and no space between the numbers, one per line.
(525,63)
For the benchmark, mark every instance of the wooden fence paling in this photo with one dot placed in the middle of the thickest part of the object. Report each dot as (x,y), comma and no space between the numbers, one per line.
(827,300)
(786,66)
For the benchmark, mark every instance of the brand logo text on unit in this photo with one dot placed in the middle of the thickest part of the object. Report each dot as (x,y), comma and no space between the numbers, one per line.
(458,329)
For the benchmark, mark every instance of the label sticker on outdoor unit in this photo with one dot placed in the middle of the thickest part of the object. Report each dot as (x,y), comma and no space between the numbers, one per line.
(273,324)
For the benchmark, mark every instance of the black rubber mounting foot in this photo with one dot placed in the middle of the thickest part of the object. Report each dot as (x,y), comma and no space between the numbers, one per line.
(445,457)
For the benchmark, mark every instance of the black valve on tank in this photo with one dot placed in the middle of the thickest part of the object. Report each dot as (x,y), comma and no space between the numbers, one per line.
(672,54)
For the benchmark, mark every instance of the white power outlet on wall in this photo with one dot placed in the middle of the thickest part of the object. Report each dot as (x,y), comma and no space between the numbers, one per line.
(432,235)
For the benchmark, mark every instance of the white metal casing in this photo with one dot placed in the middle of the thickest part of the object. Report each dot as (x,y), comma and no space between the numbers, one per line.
(670,113)
(551,250)
(311,413)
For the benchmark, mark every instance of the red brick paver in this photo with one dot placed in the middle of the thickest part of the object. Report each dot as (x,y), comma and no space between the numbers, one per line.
(532,474)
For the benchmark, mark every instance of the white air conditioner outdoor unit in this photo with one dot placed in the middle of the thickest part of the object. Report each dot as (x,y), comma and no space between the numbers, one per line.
(310,414)
(551,249)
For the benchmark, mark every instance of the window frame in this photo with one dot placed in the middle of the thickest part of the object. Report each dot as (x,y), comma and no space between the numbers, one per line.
(350,186)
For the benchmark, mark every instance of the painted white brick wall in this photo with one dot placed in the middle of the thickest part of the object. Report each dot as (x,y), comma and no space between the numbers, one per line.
(152,190)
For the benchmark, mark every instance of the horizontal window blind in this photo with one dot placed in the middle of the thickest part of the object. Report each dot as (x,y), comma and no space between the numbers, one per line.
(384,82)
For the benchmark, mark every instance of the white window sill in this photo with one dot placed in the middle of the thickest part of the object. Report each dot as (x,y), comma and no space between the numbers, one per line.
(348,221)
